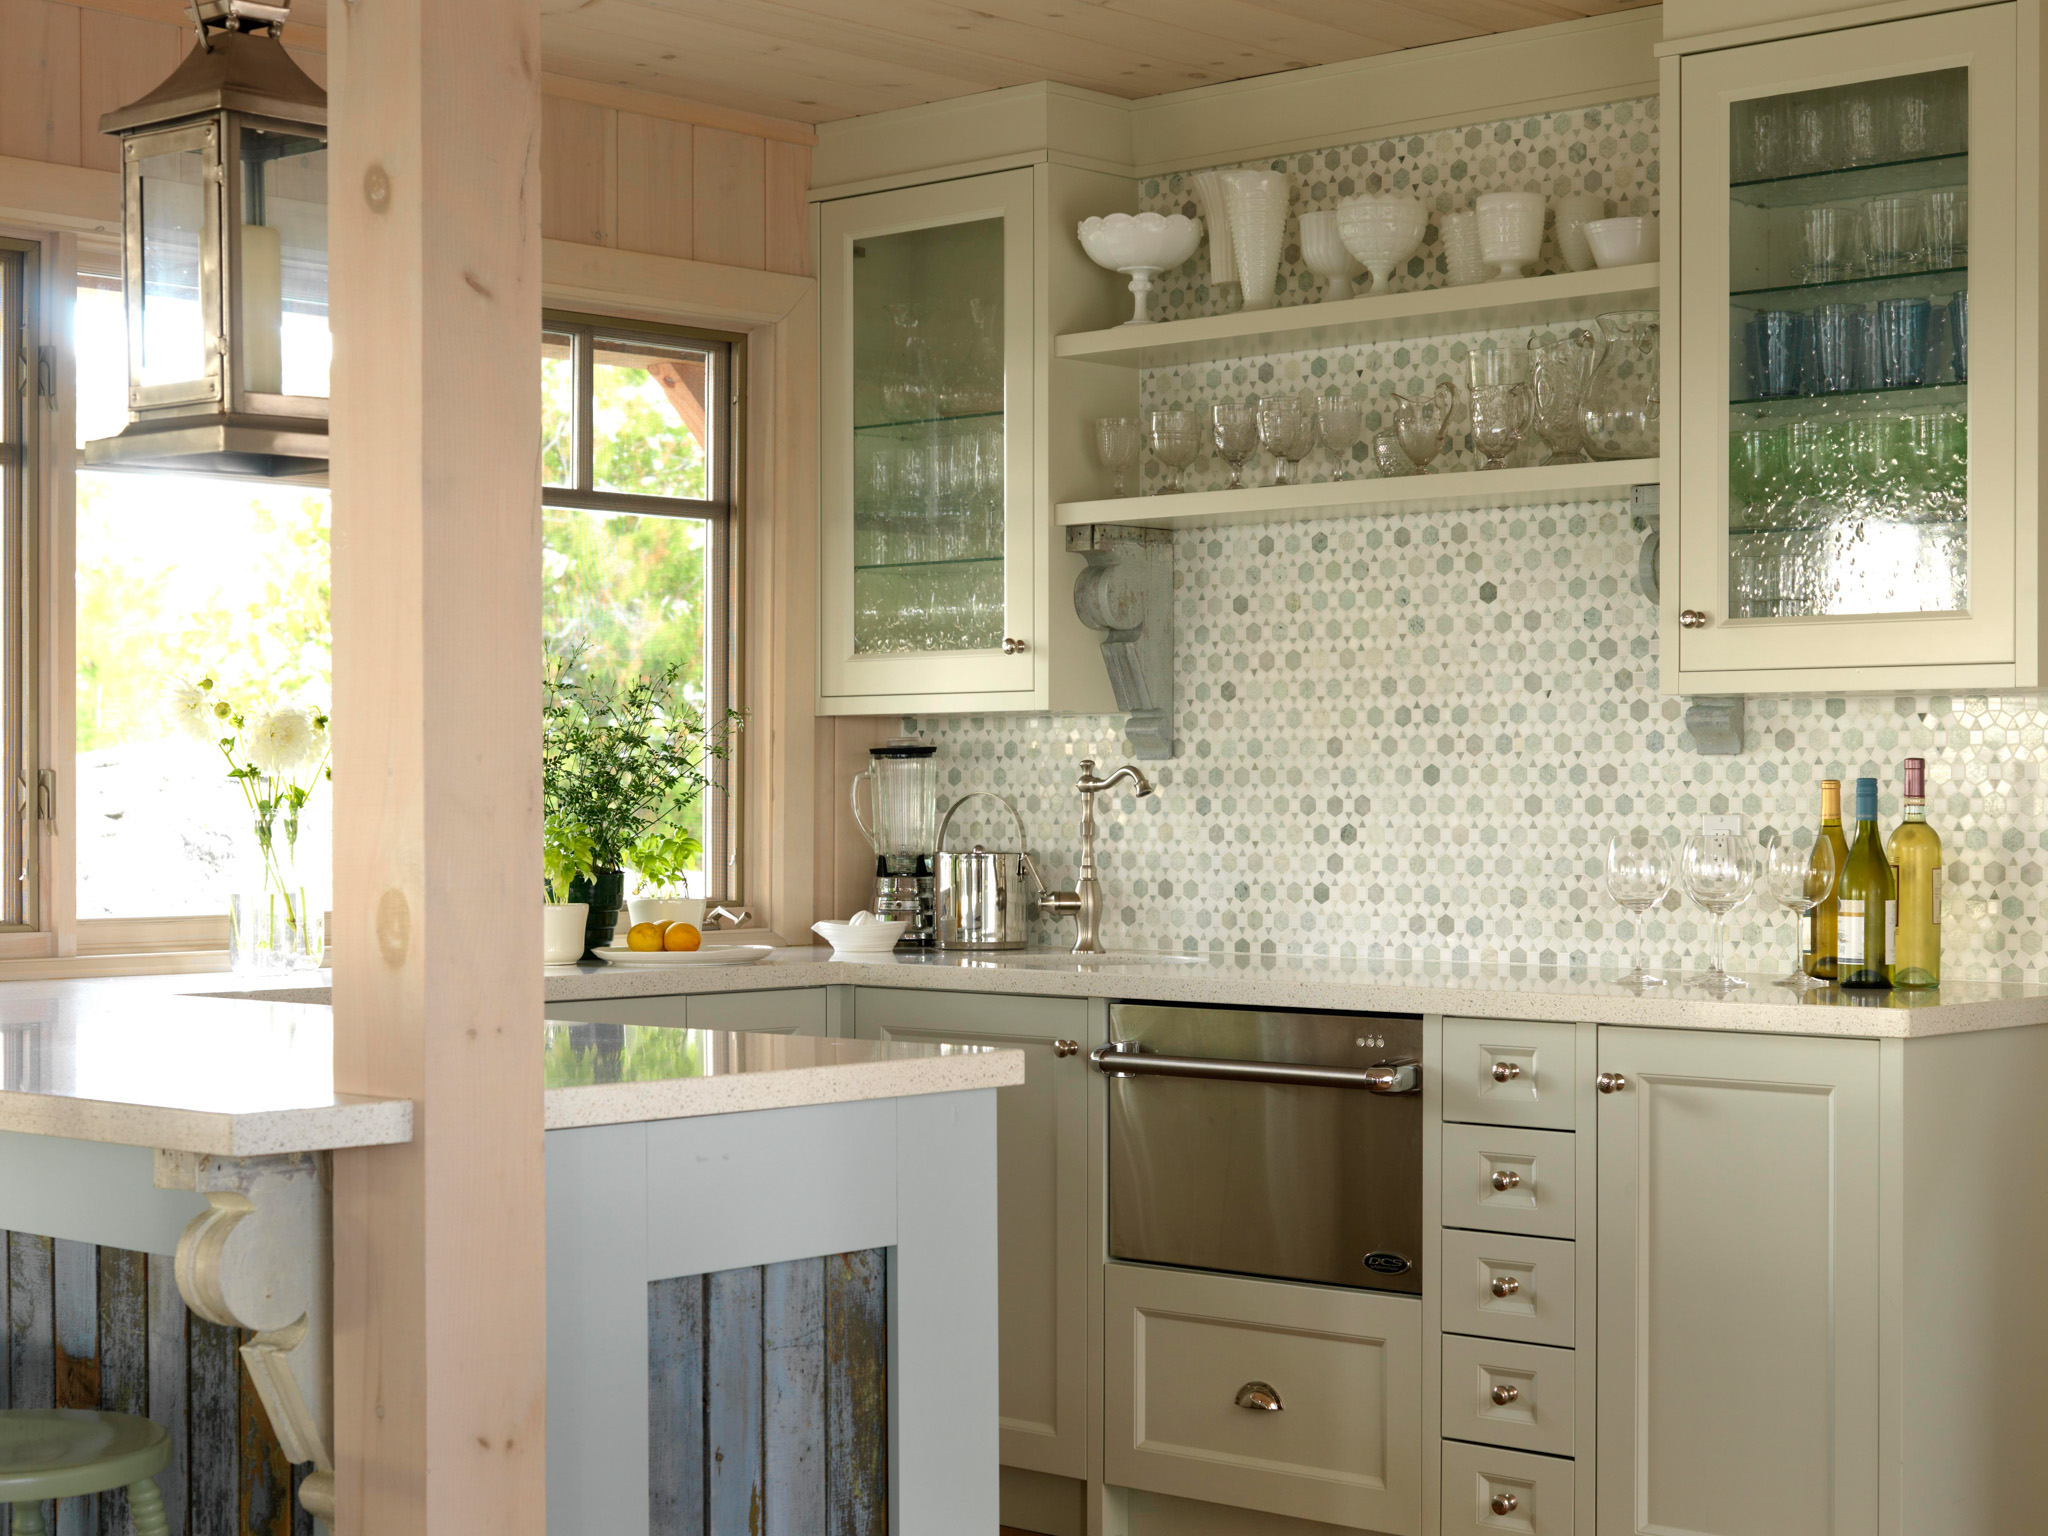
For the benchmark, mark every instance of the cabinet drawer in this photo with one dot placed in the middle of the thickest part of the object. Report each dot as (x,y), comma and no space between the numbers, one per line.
(1521,1396)
(1488,1492)
(1500,1287)
(1504,1179)
(1513,1073)
(1344,1445)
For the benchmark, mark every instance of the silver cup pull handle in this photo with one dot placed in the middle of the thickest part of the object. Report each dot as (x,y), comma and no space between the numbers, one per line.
(1260,1396)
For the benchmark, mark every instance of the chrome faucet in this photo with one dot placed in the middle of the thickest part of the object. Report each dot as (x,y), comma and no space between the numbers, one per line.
(1085,905)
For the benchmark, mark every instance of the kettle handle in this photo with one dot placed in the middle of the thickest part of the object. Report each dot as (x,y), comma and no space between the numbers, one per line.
(858,820)
(973,794)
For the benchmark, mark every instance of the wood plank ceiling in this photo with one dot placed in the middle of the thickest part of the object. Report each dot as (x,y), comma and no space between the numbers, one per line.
(817,60)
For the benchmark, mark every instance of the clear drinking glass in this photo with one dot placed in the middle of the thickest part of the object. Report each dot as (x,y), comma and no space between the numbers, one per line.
(1174,439)
(1638,872)
(1895,233)
(1287,430)
(1799,879)
(1116,444)
(1338,421)
(1502,403)
(1235,425)
(1718,871)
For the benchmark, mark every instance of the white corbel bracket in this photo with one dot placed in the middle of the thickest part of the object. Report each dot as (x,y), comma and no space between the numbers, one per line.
(1127,591)
(261,1258)
(1715,721)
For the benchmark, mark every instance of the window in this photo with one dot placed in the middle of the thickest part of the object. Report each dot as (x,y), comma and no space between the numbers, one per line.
(21,411)
(638,465)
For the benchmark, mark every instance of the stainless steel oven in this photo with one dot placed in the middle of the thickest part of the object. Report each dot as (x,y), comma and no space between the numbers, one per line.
(1265,1142)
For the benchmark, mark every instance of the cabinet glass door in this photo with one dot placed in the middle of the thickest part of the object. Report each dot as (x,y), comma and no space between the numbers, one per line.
(1850,424)
(926,372)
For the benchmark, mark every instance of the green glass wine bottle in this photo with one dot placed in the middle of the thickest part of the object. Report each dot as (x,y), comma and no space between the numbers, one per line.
(1819,942)
(1864,908)
(1915,851)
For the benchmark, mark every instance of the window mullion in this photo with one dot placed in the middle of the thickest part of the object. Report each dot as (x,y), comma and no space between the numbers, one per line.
(586,409)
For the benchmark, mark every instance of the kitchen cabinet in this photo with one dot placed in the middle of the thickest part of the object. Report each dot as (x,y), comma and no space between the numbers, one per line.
(1852,268)
(946,584)
(1738,1284)
(1042,1204)
(784,1011)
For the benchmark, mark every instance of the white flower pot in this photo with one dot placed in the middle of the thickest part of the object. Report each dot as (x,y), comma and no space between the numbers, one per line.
(561,932)
(667,909)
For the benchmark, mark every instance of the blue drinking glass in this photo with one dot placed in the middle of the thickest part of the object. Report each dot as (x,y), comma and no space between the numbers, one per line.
(1902,333)
(1776,343)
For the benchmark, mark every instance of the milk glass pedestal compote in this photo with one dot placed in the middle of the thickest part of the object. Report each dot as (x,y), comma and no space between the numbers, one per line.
(1718,871)
(1638,873)
(1800,880)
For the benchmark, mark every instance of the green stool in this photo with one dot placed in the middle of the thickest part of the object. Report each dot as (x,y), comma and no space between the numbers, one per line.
(65,1453)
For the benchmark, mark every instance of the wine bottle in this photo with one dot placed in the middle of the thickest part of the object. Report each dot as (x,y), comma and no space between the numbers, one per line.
(1864,905)
(1915,850)
(1819,938)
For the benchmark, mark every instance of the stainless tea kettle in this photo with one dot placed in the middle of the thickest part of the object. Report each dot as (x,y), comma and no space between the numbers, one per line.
(981,899)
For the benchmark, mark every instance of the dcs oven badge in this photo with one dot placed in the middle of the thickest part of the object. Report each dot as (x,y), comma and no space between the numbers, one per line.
(1387,1264)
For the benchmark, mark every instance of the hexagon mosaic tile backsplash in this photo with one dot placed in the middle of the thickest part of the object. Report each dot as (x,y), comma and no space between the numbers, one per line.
(1406,737)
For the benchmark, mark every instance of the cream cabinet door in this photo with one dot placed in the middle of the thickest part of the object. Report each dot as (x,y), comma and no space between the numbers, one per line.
(1041,1204)
(1738,1373)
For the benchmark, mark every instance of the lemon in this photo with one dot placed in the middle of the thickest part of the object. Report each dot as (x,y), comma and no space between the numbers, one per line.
(682,936)
(643,936)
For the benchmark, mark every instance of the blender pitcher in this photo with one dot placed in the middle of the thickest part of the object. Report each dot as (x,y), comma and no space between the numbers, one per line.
(902,779)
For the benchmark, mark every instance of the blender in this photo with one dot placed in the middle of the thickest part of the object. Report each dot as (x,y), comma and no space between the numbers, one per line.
(903,787)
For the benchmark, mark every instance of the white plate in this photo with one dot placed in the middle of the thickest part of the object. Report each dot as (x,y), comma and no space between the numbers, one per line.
(710,954)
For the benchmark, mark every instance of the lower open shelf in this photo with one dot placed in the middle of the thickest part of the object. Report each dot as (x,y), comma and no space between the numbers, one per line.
(1467,490)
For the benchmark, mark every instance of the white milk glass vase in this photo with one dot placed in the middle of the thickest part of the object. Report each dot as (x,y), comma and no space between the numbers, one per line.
(1257,204)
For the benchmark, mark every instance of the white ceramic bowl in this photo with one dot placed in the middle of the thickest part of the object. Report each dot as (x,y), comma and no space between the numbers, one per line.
(667,909)
(876,938)
(1130,242)
(1510,230)
(1382,230)
(1624,242)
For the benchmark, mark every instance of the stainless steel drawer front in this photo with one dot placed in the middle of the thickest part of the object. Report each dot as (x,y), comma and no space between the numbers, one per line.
(1266,1143)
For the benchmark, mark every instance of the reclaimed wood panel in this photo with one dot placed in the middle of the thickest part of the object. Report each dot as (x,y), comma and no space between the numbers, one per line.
(732,1401)
(574,168)
(124,1358)
(121,58)
(39,81)
(167,1382)
(675,1407)
(788,239)
(214,1410)
(857,1394)
(729,195)
(263,1477)
(657,166)
(31,1318)
(793,1395)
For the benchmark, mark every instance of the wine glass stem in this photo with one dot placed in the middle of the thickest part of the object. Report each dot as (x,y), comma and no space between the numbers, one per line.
(1798,948)
(1639,940)
(1720,926)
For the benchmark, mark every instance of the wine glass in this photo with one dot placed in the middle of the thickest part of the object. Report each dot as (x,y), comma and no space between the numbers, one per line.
(1116,444)
(1174,439)
(1287,430)
(1718,871)
(1236,427)
(1339,421)
(1800,880)
(1638,874)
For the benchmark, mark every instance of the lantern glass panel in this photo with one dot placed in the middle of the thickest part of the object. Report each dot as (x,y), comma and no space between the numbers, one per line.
(282,254)
(173,217)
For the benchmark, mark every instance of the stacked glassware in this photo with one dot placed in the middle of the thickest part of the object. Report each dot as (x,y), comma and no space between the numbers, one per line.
(1848,487)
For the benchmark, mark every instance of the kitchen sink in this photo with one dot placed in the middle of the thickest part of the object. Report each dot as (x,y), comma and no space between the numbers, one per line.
(1052,958)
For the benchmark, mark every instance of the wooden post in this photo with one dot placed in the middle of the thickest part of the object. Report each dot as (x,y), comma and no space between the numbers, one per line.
(434,240)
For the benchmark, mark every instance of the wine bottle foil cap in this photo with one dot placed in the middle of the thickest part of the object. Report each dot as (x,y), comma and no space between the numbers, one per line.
(1916,778)
(1866,799)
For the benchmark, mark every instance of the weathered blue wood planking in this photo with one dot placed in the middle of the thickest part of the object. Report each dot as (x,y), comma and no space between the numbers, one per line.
(213,1405)
(732,1402)
(675,1406)
(857,1394)
(793,1375)
(124,1357)
(167,1380)
(76,1309)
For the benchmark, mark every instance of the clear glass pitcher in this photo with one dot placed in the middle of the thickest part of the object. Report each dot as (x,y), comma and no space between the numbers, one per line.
(1559,371)
(903,787)
(1620,408)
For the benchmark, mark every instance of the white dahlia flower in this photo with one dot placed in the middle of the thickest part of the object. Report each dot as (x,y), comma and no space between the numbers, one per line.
(278,740)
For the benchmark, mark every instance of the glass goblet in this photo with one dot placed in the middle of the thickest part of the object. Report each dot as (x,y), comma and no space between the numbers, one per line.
(1116,444)
(1174,439)
(1799,879)
(1287,430)
(1235,424)
(1718,871)
(1638,873)
(1339,421)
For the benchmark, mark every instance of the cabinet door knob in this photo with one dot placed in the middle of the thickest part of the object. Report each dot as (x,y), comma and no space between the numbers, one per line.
(1504,1395)
(1505,1286)
(1691,618)
(1506,1071)
(1260,1396)
(1610,1082)
(1015,647)
(1504,1504)
(1065,1048)
(1506,1180)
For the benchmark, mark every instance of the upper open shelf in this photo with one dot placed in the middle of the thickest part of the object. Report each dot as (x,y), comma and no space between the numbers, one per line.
(1505,305)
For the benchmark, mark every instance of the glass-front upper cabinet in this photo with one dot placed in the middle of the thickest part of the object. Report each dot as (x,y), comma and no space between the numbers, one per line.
(926,358)
(1846,365)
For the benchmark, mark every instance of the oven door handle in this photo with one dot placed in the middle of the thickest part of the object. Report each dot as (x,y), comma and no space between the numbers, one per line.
(1126,1058)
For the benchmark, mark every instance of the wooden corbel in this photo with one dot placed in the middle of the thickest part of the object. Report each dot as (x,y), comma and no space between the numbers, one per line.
(1127,592)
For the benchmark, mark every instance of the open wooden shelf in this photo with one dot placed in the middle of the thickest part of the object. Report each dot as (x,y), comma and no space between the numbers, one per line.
(1468,490)
(1526,301)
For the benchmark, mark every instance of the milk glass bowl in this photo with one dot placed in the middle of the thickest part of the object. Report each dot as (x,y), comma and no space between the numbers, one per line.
(1323,253)
(1382,230)
(1142,245)
(1623,242)
(1511,230)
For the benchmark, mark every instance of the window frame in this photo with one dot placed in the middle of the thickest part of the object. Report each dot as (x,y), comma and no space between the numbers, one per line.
(723,513)
(28,396)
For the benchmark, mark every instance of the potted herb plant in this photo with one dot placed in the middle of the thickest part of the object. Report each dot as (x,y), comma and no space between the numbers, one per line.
(663,861)
(622,768)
